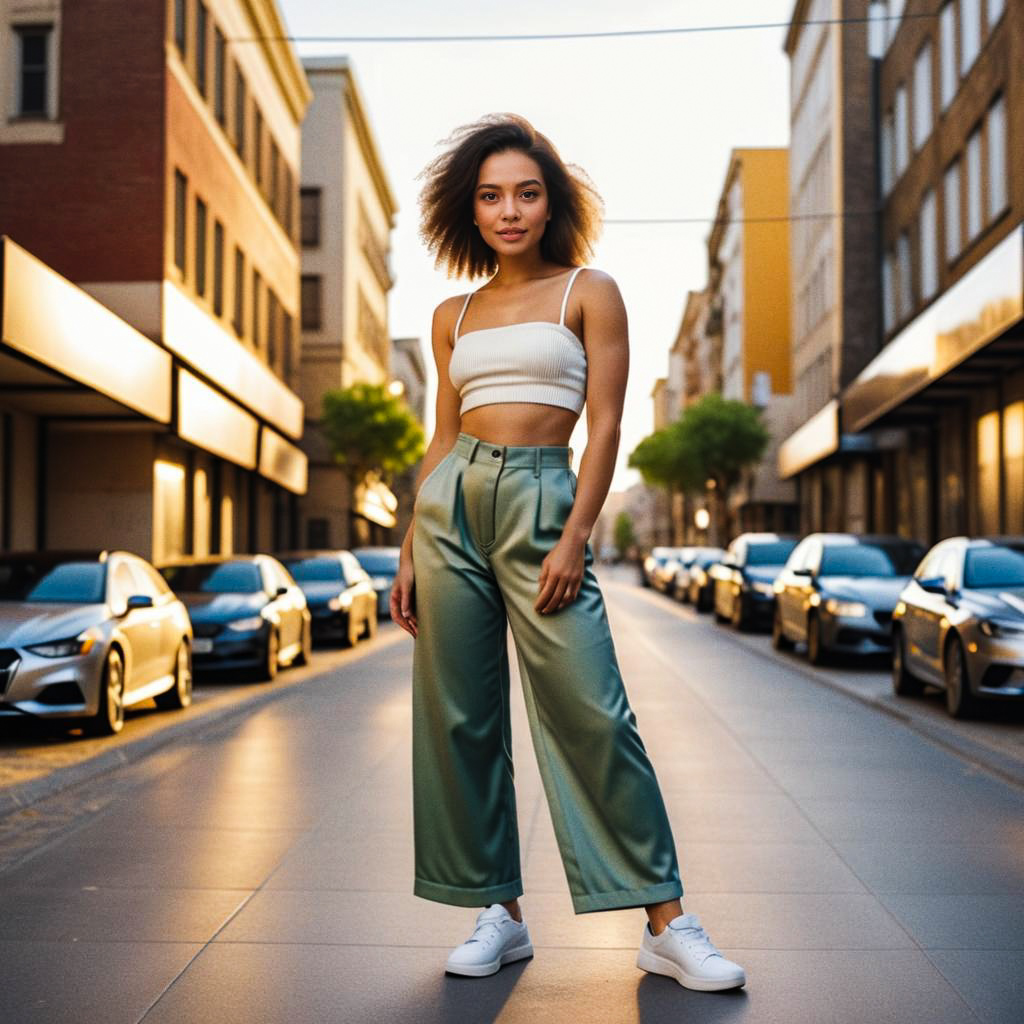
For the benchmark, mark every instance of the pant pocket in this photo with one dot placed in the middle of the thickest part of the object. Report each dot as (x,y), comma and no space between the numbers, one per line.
(430,478)
(557,494)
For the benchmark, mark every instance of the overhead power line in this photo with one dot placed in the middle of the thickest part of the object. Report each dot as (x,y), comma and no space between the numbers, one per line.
(609,34)
(828,215)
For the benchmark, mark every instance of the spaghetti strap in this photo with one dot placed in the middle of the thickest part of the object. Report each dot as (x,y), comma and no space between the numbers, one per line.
(565,298)
(458,322)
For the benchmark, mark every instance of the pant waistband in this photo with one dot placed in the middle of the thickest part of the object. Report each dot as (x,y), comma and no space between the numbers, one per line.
(470,447)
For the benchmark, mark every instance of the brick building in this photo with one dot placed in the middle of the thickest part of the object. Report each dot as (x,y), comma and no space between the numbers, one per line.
(149,160)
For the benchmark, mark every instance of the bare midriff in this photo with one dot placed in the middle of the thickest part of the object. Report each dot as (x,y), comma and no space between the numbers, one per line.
(520,423)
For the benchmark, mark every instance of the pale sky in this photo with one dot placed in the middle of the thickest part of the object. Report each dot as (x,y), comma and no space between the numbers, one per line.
(651,119)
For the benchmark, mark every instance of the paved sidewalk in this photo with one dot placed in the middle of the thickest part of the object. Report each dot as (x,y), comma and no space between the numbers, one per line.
(262,872)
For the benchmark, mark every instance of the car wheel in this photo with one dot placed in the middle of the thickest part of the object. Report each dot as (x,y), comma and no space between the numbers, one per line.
(109,718)
(960,702)
(180,694)
(780,641)
(271,656)
(904,684)
(738,618)
(817,653)
(305,654)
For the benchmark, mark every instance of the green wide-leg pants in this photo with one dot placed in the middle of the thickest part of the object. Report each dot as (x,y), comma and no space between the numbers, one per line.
(485,517)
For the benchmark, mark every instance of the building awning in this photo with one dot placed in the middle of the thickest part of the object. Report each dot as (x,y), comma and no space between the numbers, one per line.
(64,353)
(375,501)
(970,316)
(215,423)
(283,462)
(815,440)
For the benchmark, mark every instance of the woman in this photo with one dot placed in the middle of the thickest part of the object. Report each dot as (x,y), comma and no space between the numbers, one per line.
(500,538)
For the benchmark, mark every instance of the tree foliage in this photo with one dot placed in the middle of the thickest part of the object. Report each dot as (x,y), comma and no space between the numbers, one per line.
(722,437)
(370,429)
(623,536)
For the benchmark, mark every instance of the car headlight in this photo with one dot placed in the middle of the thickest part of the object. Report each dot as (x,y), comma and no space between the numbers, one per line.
(381,581)
(762,588)
(340,602)
(69,648)
(700,576)
(847,609)
(995,627)
(247,625)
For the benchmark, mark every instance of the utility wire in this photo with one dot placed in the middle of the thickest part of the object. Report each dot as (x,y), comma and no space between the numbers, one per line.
(828,215)
(609,34)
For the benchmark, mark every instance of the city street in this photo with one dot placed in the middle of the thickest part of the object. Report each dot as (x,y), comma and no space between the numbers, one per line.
(260,870)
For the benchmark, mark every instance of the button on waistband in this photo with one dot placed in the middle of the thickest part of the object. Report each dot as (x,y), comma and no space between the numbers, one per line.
(495,452)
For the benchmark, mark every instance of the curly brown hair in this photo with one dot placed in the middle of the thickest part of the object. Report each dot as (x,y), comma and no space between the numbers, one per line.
(446,200)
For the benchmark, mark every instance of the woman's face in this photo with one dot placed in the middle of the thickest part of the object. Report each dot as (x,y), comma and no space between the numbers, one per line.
(510,204)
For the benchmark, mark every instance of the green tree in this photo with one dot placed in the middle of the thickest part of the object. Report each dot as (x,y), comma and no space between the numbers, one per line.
(371,430)
(623,535)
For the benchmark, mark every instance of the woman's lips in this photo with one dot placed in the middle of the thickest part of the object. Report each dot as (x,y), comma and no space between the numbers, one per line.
(511,236)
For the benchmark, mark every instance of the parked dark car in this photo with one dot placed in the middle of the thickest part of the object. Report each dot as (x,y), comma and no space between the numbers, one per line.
(83,635)
(679,587)
(959,623)
(653,568)
(381,563)
(339,592)
(247,612)
(837,592)
(701,588)
(743,592)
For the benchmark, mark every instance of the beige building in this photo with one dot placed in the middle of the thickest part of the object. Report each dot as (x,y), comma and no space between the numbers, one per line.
(348,212)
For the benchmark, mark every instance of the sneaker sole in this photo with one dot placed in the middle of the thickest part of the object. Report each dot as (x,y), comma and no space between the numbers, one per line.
(648,961)
(482,970)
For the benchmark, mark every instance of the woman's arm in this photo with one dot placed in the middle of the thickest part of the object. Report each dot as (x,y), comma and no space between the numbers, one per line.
(606,339)
(446,430)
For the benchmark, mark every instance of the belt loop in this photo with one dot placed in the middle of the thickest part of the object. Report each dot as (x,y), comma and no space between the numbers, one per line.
(472,451)
(536,461)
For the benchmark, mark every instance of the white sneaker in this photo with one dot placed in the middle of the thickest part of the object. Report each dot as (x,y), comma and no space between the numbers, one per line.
(683,951)
(497,939)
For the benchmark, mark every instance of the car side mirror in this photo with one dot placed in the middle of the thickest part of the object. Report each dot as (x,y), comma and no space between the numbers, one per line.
(933,584)
(280,592)
(138,601)
(803,571)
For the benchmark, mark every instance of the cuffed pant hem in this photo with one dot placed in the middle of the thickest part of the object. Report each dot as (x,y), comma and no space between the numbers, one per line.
(460,897)
(586,903)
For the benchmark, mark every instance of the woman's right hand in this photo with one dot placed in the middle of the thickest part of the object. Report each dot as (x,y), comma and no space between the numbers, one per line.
(403,597)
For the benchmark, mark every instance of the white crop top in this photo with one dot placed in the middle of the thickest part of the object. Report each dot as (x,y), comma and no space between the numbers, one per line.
(534,361)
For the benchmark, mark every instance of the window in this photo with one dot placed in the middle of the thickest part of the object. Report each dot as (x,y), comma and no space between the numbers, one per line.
(34,71)
(180,196)
(257,145)
(200,247)
(273,317)
(218,268)
(257,326)
(310,200)
(238,317)
(239,112)
(219,67)
(905,292)
(923,96)
(947,55)
(995,12)
(275,179)
(312,302)
(997,169)
(902,140)
(888,293)
(951,203)
(887,170)
(286,213)
(180,17)
(973,184)
(288,346)
(970,33)
(929,247)
(202,27)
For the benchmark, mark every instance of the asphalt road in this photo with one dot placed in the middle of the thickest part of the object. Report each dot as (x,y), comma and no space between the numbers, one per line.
(260,869)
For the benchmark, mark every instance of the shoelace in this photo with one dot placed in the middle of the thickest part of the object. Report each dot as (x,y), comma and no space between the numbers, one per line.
(697,940)
(485,924)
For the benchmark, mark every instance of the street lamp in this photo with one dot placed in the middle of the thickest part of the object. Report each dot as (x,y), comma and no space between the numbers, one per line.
(702,519)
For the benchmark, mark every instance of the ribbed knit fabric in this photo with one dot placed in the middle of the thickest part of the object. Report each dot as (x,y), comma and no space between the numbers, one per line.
(536,361)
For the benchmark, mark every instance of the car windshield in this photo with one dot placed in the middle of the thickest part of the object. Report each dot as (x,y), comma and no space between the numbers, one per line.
(325,569)
(869,559)
(65,583)
(996,566)
(214,578)
(706,558)
(770,553)
(377,562)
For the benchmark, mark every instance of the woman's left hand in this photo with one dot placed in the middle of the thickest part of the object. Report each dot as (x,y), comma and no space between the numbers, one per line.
(561,575)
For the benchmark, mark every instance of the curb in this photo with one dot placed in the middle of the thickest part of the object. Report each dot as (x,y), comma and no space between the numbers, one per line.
(20,795)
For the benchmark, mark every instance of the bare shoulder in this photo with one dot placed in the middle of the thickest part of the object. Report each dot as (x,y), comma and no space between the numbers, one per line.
(445,315)
(599,297)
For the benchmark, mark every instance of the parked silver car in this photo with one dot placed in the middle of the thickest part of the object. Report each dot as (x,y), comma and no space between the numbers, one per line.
(381,563)
(960,623)
(837,592)
(85,635)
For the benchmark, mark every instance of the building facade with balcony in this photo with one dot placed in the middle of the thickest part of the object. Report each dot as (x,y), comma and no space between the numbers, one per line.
(149,172)
(348,211)
(834,253)
(940,408)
